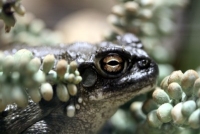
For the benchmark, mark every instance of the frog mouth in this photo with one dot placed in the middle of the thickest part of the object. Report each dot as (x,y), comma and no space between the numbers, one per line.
(123,96)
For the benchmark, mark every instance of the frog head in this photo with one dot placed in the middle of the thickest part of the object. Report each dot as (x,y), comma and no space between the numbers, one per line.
(117,72)
(113,74)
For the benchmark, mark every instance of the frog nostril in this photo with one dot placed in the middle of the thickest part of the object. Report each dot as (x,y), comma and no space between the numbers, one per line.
(143,63)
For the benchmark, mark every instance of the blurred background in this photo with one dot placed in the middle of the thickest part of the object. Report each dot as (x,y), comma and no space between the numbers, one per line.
(169,30)
(83,20)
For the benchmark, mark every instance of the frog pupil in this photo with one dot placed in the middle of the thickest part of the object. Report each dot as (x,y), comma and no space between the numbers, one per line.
(113,63)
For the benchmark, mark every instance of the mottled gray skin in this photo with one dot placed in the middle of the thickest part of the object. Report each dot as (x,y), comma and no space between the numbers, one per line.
(102,93)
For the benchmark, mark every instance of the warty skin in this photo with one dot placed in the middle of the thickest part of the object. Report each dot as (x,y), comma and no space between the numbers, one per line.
(102,91)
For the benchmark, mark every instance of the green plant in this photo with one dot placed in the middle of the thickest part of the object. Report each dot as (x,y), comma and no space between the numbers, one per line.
(174,107)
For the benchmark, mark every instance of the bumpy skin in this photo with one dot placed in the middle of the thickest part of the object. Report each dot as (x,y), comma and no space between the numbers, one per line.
(102,92)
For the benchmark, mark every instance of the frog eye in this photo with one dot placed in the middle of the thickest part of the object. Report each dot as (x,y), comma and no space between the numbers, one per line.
(143,63)
(112,63)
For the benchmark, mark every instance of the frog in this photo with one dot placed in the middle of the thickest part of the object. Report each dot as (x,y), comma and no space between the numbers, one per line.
(112,74)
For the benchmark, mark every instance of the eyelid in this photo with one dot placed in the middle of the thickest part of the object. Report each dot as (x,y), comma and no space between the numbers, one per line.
(118,50)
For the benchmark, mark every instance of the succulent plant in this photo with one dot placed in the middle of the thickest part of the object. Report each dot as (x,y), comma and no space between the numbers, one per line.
(145,19)
(31,31)
(175,104)
(6,12)
(183,89)
(33,78)
(181,93)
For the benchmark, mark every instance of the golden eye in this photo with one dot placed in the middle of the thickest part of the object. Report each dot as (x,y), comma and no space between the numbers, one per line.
(112,63)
